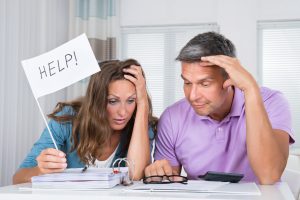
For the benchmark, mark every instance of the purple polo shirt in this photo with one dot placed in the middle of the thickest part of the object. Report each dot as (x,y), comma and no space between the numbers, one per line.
(200,144)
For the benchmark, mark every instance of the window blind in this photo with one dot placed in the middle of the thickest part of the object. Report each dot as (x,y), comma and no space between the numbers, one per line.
(156,48)
(279,56)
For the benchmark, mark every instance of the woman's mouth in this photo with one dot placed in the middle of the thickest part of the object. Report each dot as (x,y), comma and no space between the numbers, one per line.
(119,121)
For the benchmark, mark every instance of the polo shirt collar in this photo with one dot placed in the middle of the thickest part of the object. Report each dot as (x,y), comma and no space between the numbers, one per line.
(237,104)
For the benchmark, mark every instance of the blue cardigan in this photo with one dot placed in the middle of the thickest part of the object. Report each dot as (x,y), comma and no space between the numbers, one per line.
(62,133)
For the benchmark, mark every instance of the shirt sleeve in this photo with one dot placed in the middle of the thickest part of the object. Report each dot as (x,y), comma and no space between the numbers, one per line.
(165,140)
(279,113)
(151,141)
(59,131)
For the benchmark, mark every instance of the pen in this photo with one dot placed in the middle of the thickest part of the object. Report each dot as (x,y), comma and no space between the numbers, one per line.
(84,169)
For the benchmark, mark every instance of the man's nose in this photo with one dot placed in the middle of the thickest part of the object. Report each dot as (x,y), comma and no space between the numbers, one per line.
(194,93)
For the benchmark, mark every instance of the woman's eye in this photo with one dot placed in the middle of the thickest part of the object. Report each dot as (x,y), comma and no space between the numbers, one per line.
(112,101)
(130,101)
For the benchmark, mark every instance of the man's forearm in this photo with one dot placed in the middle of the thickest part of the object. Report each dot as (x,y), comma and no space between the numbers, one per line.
(266,157)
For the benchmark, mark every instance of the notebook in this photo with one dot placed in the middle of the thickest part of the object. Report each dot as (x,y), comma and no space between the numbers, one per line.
(74,178)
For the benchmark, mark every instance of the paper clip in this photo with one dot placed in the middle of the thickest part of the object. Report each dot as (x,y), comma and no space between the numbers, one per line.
(126,178)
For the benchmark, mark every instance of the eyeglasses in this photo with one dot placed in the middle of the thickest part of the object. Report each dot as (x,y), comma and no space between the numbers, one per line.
(165,179)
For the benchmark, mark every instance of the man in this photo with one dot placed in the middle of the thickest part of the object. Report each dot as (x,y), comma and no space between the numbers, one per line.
(226,123)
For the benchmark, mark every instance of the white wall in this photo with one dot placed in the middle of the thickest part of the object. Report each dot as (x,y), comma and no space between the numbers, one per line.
(236,18)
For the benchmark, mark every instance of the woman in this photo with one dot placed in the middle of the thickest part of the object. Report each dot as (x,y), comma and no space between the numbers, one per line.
(113,120)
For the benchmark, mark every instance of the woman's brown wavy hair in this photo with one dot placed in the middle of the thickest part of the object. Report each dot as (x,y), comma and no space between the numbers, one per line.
(90,126)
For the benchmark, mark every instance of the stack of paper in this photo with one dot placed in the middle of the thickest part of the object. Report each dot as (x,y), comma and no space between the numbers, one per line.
(92,178)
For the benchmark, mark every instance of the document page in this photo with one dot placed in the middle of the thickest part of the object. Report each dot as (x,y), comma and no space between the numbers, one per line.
(192,186)
(199,186)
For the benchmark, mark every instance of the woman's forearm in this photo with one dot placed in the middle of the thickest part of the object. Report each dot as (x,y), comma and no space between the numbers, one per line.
(24,175)
(139,148)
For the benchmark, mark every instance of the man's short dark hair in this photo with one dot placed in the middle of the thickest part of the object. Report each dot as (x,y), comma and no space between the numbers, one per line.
(206,44)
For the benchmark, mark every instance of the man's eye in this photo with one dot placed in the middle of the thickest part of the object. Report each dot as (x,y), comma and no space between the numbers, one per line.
(187,83)
(205,84)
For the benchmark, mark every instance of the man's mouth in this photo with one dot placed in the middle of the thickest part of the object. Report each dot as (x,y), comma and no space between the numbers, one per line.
(199,105)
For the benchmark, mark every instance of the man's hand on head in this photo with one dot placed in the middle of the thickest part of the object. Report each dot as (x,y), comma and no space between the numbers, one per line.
(238,75)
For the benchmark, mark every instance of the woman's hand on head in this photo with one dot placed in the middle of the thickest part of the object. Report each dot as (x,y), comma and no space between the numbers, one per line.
(139,81)
(51,160)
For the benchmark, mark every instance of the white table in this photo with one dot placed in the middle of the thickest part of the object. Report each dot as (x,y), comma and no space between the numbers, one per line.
(279,191)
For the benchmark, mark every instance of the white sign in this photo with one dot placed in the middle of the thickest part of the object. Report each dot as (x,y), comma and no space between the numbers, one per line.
(60,67)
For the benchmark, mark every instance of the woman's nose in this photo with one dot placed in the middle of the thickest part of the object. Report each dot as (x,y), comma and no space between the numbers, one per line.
(122,110)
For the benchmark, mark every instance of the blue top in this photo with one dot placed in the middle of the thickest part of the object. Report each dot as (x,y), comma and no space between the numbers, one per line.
(62,133)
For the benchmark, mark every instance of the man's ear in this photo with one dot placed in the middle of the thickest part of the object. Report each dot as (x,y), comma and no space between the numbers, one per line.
(227,83)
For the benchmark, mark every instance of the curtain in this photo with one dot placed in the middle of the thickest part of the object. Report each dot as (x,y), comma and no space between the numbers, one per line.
(27,29)
(99,19)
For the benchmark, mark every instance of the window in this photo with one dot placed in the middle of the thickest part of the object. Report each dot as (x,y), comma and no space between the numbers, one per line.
(279,61)
(156,48)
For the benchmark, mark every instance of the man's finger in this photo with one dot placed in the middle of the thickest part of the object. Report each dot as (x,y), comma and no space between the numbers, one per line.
(147,171)
(167,168)
(218,60)
(205,64)
(160,171)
